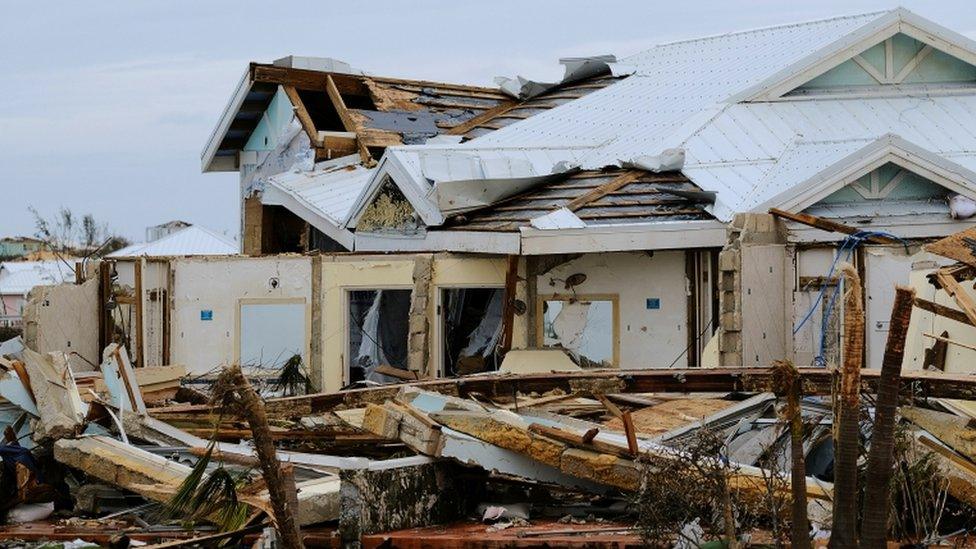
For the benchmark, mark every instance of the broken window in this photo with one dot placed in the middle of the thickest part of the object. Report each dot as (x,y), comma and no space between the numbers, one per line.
(270,334)
(584,327)
(472,326)
(378,329)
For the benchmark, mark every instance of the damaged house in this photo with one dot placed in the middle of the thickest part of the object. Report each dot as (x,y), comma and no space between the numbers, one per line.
(621,214)
(522,302)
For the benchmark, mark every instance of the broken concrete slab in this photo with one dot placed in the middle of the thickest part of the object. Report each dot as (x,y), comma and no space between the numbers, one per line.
(60,409)
(157,478)
(402,493)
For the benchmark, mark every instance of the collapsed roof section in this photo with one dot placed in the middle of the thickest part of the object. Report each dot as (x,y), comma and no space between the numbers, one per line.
(344,111)
(607,197)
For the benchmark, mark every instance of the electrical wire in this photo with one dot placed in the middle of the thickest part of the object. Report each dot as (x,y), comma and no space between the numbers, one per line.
(847,247)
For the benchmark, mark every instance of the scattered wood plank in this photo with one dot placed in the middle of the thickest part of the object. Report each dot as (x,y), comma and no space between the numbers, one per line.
(944,339)
(828,225)
(952,287)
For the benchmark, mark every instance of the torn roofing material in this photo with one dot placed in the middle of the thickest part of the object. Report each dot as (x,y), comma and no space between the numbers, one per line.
(323,197)
(381,111)
(595,198)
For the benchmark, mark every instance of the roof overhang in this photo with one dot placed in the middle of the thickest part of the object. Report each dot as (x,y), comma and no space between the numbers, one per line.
(886,149)
(665,235)
(210,161)
(885,26)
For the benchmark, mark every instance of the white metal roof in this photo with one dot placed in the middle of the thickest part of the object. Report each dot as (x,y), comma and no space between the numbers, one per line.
(193,240)
(18,277)
(324,197)
(698,95)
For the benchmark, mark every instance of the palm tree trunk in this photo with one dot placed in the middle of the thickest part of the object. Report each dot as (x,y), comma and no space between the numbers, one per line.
(874,530)
(847,416)
(800,532)
(282,506)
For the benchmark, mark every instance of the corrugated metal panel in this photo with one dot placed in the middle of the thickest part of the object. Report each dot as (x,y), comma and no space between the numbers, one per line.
(330,193)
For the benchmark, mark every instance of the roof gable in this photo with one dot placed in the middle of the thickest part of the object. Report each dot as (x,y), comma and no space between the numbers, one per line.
(896,47)
(875,172)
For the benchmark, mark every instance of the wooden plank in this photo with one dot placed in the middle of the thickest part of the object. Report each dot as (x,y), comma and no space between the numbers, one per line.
(631,434)
(952,287)
(828,225)
(816,381)
(508,307)
(347,120)
(139,319)
(942,310)
(950,341)
(302,114)
(960,247)
(611,407)
(610,186)
(486,116)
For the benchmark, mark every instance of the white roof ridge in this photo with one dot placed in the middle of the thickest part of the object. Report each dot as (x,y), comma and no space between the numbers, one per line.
(779,26)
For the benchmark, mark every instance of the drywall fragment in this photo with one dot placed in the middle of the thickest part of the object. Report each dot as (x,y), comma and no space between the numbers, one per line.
(120,380)
(535,361)
(61,412)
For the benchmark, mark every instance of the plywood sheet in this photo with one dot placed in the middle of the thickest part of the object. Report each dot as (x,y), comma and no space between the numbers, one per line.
(655,420)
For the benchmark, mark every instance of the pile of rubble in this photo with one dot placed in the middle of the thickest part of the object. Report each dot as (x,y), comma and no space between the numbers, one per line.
(559,458)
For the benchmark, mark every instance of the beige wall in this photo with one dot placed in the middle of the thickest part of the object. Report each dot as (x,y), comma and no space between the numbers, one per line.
(219,285)
(649,338)
(65,318)
(344,273)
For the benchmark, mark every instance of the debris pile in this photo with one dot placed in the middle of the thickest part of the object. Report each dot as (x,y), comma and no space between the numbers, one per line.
(576,458)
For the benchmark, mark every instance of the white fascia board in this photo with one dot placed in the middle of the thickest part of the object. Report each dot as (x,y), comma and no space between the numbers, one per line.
(665,235)
(822,60)
(937,36)
(273,196)
(889,148)
(207,159)
(441,241)
(390,165)
(906,226)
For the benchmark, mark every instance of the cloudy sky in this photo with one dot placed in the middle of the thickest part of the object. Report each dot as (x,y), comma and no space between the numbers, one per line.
(108,104)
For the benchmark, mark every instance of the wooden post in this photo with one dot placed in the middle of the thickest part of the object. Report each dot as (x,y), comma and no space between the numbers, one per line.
(874,530)
(137,303)
(847,415)
(508,306)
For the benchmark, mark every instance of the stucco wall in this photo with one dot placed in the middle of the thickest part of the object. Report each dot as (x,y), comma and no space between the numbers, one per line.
(206,296)
(64,318)
(649,337)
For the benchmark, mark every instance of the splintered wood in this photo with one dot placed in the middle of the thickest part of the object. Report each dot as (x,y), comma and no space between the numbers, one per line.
(659,419)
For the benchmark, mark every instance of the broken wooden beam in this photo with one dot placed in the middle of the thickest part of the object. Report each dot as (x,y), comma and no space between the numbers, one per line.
(816,382)
(952,287)
(942,310)
(829,226)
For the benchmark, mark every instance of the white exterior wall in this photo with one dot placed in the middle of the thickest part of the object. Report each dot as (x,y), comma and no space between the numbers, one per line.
(649,338)
(218,285)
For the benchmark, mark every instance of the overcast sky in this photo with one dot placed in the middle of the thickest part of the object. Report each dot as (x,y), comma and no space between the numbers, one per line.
(106,105)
